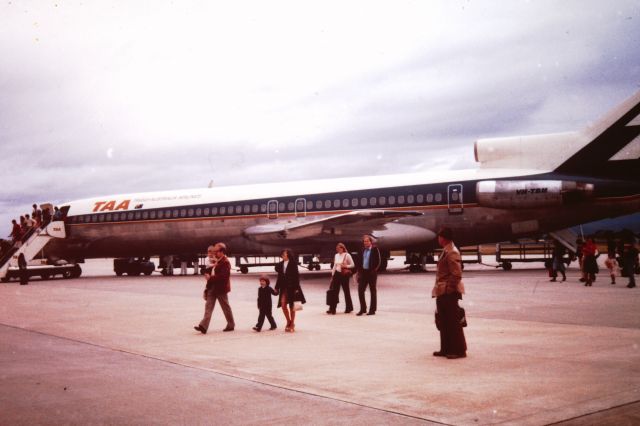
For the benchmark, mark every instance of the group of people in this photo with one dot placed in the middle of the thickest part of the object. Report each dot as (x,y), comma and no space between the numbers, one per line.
(218,285)
(447,291)
(38,219)
(587,254)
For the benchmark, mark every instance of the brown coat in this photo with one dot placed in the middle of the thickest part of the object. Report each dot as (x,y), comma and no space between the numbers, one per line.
(449,275)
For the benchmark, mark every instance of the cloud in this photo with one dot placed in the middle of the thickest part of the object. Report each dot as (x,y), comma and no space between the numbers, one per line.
(103,98)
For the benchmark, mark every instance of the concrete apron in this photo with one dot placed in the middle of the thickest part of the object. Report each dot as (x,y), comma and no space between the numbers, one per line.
(516,371)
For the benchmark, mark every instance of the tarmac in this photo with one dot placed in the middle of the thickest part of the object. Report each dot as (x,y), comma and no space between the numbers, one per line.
(103,349)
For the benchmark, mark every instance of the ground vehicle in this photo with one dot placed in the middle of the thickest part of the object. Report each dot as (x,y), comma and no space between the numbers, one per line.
(45,272)
(133,266)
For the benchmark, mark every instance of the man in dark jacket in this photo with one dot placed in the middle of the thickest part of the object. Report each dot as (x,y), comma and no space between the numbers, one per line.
(218,285)
(368,265)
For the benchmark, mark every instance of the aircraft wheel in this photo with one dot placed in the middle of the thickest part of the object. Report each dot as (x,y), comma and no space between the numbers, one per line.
(244,269)
(133,273)
(66,274)
(45,276)
(507,266)
(147,273)
(119,273)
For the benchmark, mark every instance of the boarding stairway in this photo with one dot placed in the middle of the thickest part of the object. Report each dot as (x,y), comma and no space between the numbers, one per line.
(566,237)
(32,243)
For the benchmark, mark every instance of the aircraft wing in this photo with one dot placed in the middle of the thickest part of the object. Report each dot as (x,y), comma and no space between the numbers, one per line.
(356,222)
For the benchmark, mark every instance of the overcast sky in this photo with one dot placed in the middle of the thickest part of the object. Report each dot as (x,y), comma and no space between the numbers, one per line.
(98,98)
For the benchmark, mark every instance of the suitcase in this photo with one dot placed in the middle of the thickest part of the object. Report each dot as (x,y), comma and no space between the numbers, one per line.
(332,297)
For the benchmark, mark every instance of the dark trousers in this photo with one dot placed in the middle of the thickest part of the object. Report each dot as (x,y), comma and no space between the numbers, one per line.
(265,312)
(368,278)
(338,281)
(629,268)
(452,341)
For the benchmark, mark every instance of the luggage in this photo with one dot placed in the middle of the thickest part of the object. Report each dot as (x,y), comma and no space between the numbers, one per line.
(332,297)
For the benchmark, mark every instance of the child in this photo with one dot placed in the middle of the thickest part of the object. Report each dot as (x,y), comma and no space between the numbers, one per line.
(612,265)
(264,304)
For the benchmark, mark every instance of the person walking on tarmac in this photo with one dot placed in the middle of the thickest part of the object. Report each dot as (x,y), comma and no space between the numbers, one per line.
(22,266)
(448,289)
(368,265)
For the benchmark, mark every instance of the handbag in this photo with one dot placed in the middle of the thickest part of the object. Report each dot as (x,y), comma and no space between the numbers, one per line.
(297,305)
(347,272)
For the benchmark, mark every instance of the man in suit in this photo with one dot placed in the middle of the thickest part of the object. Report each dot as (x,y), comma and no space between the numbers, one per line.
(218,286)
(447,290)
(368,265)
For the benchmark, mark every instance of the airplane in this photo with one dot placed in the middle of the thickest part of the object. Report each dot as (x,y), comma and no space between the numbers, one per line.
(524,186)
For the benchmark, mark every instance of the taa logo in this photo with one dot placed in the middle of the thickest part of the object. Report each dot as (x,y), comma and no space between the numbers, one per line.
(102,206)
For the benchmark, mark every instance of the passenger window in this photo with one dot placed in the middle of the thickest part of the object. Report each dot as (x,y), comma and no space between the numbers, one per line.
(420,198)
(429,198)
(318,204)
(183,212)
(130,215)
(290,206)
(246,208)
(401,199)
(382,200)
(198,211)
(160,214)
(254,208)
(101,218)
(373,201)
(345,202)
(214,211)
(392,200)
(207,211)
(354,202)
(167,214)
(336,204)
(152,214)
(263,208)
(327,204)
(138,215)
(108,218)
(280,207)
(438,197)
(410,199)
(300,206)
(273,207)
(94,218)
(145,215)
(223,210)
(190,212)
(454,196)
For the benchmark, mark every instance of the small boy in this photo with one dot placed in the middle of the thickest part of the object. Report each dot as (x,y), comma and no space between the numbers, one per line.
(612,265)
(264,304)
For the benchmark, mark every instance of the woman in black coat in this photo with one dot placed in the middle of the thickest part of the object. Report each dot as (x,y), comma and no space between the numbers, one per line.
(288,287)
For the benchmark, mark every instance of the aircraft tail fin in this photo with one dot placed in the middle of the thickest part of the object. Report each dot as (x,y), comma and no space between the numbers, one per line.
(612,148)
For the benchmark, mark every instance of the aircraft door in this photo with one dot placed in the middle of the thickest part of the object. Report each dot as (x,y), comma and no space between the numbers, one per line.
(301,207)
(454,194)
(272,209)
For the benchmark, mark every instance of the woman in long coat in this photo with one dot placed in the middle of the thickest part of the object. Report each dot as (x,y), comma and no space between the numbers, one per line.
(288,287)
(590,265)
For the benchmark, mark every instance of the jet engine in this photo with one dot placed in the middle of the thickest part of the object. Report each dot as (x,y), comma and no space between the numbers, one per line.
(528,194)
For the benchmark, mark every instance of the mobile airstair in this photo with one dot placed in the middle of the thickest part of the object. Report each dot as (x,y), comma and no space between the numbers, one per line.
(33,242)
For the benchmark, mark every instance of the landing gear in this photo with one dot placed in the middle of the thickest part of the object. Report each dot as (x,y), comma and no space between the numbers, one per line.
(506,265)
